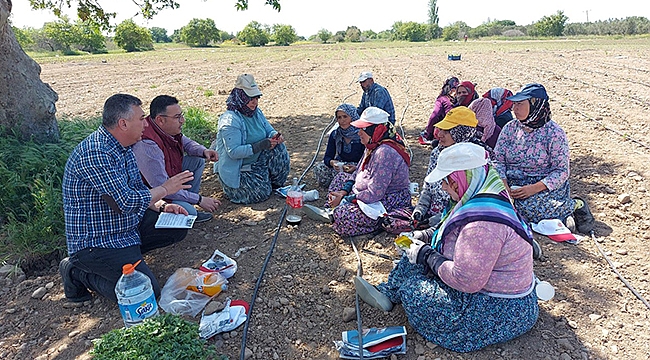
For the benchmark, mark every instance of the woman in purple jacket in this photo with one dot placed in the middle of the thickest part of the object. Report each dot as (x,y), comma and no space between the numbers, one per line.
(444,102)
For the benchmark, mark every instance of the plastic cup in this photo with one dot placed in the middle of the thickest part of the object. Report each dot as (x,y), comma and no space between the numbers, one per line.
(414,188)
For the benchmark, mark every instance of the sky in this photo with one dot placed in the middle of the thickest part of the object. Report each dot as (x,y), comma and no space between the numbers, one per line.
(309,16)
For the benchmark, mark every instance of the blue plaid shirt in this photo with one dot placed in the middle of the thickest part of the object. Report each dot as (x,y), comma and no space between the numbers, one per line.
(100,168)
(377,96)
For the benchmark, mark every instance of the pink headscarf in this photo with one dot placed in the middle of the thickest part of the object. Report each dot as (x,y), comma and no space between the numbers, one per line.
(482,107)
(460,178)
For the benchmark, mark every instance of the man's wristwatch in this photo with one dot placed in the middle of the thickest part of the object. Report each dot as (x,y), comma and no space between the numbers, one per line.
(161,209)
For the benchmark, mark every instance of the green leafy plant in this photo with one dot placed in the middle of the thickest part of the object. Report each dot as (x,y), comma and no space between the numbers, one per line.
(163,337)
(208,93)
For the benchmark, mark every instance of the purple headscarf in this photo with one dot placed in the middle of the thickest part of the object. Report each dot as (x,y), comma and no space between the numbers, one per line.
(237,102)
(482,107)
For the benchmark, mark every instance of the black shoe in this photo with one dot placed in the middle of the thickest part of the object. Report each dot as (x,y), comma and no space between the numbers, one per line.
(582,215)
(74,290)
(202,216)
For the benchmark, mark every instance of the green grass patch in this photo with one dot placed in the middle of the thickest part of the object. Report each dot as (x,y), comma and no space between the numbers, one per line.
(200,126)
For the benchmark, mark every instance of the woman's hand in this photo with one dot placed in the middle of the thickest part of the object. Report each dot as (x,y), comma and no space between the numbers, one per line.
(527,191)
(276,139)
(335,197)
(349,168)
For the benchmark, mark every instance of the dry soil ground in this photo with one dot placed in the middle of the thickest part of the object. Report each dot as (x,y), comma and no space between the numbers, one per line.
(600,95)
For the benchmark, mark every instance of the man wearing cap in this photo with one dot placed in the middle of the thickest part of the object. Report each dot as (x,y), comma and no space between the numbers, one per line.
(252,156)
(532,157)
(164,152)
(375,95)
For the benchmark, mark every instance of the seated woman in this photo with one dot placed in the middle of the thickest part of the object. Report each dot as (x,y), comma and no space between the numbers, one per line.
(532,157)
(465,93)
(252,156)
(457,127)
(382,175)
(470,284)
(344,148)
(444,102)
(487,130)
(501,106)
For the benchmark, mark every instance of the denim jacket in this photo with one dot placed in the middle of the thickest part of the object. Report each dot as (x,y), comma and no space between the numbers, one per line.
(231,144)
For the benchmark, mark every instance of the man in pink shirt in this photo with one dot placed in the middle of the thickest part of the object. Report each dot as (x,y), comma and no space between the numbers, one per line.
(164,152)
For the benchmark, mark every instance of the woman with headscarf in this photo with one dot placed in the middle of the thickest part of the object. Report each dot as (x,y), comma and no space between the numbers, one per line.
(465,93)
(344,148)
(458,126)
(470,283)
(252,156)
(444,103)
(501,106)
(532,157)
(486,129)
(381,176)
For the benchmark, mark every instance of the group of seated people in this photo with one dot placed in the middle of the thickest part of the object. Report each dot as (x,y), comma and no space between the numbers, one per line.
(465,282)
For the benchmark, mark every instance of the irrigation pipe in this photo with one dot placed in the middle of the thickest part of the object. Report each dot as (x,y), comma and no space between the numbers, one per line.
(611,265)
(356,301)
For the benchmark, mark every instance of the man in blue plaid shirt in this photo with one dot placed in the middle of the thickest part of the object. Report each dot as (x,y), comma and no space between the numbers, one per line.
(375,95)
(109,213)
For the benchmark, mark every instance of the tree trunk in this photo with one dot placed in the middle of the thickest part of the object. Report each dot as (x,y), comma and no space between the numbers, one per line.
(27,104)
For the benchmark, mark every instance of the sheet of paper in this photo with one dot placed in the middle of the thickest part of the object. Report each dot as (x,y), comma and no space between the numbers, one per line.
(175,221)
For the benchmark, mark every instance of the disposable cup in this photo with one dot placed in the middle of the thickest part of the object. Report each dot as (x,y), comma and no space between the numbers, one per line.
(544,290)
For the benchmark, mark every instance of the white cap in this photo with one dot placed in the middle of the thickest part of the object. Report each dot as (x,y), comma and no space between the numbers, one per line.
(247,83)
(370,116)
(554,229)
(461,156)
(364,76)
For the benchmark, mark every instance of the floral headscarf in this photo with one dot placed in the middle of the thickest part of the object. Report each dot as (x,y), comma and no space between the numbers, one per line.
(450,84)
(539,114)
(384,134)
(237,102)
(482,107)
(351,132)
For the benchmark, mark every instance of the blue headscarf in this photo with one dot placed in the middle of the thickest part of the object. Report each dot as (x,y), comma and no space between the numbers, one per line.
(237,102)
(351,132)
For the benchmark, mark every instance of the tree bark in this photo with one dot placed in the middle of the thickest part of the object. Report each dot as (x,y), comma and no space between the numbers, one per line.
(27,104)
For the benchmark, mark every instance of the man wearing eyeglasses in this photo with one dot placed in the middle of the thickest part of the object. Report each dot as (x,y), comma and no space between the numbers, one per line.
(164,152)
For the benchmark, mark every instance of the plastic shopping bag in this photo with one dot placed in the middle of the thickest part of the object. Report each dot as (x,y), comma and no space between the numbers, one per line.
(187,291)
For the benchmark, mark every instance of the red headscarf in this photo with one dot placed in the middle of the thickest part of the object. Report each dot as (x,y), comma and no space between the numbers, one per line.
(466,100)
(385,134)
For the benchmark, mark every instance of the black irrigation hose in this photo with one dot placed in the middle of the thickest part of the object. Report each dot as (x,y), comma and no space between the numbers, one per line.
(242,353)
(356,301)
(611,265)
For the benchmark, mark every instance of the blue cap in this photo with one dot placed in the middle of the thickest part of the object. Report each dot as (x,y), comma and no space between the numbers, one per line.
(529,91)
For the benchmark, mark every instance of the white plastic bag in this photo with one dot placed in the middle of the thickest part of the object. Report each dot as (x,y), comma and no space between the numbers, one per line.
(188,290)
(220,263)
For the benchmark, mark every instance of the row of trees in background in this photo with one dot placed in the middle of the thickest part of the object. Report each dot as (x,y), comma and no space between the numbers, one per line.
(70,37)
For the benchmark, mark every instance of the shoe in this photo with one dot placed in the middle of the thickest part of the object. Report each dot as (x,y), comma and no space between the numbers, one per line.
(318,214)
(371,295)
(423,140)
(537,250)
(74,290)
(202,216)
(570,223)
(583,218)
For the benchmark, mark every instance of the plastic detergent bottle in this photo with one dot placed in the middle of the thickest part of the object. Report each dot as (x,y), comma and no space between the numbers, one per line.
(135,296)
(294,200)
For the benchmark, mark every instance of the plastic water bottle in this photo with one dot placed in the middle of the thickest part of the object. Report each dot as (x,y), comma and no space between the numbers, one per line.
(135,296)
(294,200)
